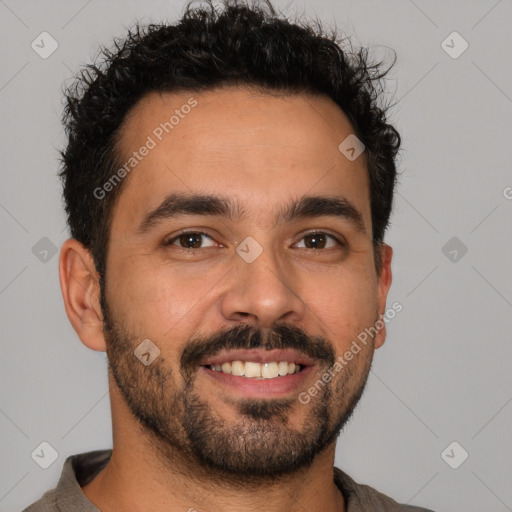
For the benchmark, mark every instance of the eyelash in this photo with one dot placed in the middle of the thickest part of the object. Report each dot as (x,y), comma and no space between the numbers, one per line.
(170,241)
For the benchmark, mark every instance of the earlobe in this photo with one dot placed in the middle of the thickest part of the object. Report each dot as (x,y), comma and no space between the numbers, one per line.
(384,283)
(80,291)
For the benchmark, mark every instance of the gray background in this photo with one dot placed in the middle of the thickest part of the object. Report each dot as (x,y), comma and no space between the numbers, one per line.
(443,374)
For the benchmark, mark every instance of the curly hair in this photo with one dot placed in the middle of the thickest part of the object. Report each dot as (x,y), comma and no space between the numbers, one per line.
(240,44)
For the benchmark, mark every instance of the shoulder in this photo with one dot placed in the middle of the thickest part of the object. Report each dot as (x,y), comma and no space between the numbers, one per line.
(45,504)
(77,470)
(360,497)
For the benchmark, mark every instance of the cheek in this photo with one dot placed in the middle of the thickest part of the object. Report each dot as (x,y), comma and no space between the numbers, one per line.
(346,307)
(159,300)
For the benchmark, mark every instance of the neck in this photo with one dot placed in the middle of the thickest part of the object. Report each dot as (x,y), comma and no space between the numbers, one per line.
(138,479)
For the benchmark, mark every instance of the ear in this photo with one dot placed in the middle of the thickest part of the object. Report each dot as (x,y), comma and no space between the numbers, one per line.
(383,285)
(81,291)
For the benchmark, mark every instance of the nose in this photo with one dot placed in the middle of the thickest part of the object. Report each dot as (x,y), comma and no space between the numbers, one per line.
(261,292)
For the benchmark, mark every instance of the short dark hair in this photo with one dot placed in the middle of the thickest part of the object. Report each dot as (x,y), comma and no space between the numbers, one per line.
(240,44)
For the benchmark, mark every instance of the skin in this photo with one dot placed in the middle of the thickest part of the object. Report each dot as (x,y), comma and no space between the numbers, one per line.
(264,150)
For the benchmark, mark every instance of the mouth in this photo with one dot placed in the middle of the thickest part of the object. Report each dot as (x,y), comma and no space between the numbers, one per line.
(259,373)
(254,370)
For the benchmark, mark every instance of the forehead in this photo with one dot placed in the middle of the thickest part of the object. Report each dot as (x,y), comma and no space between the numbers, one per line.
(258,148)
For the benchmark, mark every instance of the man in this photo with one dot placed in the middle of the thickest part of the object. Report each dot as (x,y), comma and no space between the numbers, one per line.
(228,181)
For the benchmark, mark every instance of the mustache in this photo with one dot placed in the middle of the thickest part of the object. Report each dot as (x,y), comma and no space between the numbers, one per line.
(250,337)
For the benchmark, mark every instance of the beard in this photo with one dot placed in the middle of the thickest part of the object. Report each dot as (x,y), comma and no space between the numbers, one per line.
(261,445)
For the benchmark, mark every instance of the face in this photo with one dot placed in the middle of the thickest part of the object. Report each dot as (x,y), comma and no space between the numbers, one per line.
(241,247)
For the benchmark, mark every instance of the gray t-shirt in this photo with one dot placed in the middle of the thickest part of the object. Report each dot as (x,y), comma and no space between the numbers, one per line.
(79,470)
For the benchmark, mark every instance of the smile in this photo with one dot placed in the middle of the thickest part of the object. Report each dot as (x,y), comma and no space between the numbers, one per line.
(254,370)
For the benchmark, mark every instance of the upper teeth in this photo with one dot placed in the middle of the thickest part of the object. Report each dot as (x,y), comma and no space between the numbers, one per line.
(254,370)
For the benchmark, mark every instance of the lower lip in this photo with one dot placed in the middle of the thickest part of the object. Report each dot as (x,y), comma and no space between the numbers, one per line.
(261,388)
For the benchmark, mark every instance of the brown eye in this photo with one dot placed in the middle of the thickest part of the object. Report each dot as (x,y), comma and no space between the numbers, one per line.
(189,240)
(319,241)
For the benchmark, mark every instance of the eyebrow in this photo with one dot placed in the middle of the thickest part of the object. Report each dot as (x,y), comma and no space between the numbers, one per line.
(179,204)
